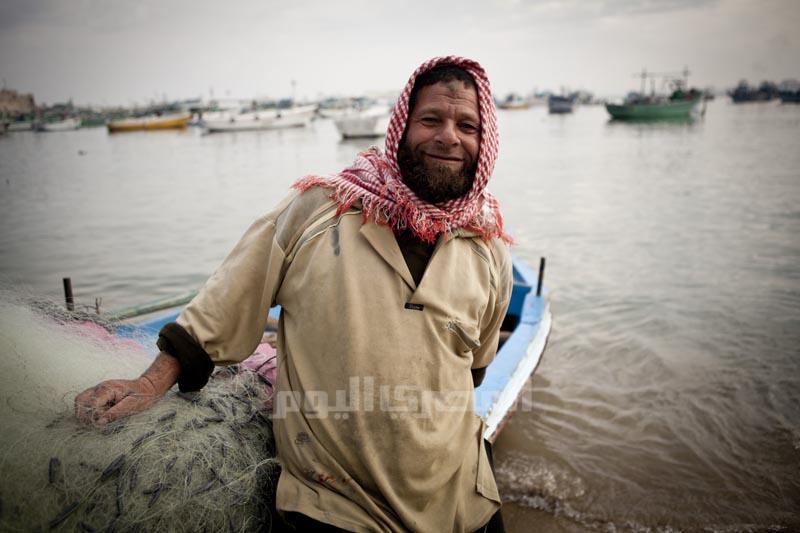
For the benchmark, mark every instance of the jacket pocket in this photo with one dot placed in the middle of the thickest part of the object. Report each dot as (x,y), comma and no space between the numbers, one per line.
(467,341)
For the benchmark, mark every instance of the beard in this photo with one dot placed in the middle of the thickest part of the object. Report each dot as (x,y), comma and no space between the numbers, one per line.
(435,183)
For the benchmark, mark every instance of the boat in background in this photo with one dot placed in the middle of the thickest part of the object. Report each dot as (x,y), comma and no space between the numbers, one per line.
(20,125)
(681,104)
(654,109)
(790,97)
(259,119)
(514,102)
(150,122)
(93,122)
(338,107)
(789,91)
(363,123)
(744,93)
(560,104)
(68,124)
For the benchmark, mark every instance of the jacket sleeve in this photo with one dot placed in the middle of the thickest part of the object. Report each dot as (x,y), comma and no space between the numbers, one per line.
(498,305)
(224,323)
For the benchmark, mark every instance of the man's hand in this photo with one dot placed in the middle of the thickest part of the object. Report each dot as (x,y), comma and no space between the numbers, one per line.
(114,399)
(118,398)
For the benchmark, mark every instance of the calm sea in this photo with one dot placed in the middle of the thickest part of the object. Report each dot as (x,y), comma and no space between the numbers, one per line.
(669,395)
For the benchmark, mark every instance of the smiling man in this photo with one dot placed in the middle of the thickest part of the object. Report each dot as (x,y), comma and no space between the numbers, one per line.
(439,151)
(393,278)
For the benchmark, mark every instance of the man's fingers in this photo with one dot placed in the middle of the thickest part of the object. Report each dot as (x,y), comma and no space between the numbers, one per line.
(112,400)
(125,407)
(87,402)
(91,403)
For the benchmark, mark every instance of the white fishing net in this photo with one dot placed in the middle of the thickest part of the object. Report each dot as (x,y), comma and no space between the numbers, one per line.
(193,462)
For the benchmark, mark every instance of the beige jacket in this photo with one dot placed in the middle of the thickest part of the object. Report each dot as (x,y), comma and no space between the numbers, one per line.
(373,413)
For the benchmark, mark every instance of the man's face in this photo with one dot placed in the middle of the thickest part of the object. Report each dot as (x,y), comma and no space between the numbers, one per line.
(439,152)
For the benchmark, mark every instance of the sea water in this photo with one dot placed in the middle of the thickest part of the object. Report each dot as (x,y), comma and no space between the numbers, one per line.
(668,398)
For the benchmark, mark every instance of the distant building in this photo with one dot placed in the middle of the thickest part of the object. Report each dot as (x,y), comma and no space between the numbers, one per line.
(12,103)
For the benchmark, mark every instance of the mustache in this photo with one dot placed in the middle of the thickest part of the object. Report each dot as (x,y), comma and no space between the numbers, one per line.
(443,156)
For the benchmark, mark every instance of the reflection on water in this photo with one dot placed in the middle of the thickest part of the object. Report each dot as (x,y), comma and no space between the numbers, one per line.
(669,396)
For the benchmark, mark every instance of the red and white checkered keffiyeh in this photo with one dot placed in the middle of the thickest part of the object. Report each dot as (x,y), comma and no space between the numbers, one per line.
(374,177)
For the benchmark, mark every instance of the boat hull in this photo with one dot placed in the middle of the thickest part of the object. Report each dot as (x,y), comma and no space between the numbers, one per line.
(367,125)
(93,122)
(559,105)
(62,125)
(665,110)
(20,126)
(515,106)
(559,108)
(269,119)
(516,361)
(150,123)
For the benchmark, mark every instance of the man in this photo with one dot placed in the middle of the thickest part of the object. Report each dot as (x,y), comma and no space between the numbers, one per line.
(393,280)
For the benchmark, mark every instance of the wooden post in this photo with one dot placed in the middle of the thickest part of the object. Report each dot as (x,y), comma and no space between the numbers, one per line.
(541,277)
(68,294)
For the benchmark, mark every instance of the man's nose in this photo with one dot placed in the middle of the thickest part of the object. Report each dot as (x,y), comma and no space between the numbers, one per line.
(447,134)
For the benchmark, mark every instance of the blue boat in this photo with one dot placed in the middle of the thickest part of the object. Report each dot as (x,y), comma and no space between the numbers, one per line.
(526,326)
(790,97)
(743,92)
(560,104)
(529,320)
(789,92)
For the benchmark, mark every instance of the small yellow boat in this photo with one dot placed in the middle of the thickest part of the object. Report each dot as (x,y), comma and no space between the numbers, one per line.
(150,122)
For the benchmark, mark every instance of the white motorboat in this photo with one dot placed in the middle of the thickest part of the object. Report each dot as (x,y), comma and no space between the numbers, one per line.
(67,124)
(370,122)
(333,112)
(261,119)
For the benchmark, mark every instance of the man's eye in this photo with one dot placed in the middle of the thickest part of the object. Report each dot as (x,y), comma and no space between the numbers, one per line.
(466,126)
(429,120)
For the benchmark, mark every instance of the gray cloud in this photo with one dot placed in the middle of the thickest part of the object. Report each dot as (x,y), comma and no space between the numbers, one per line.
(116,51)
(19,13)
(648,7)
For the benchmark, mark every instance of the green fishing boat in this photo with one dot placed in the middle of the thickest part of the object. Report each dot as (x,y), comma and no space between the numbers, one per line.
(667,109)
(93,122)
(681,104)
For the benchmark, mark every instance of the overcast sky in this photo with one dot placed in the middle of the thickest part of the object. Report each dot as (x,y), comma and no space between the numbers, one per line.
(132,51)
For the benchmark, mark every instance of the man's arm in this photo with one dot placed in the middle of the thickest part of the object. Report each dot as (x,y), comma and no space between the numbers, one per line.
(118,398)
(222,325)
(492,321)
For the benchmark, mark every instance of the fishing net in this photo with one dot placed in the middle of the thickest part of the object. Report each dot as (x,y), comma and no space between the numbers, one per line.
(193,462)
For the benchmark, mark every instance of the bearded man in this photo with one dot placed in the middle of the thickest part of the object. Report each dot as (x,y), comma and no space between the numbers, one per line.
(393,276)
